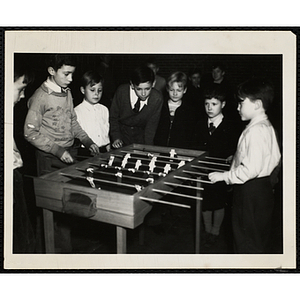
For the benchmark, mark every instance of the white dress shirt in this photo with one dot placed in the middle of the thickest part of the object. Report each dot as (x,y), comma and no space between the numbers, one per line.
(94,120)
(134,98)
(257,152)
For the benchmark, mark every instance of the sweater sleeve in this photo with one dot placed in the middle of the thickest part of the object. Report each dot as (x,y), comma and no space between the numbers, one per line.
(76,128)
(33,124)
(114,115)
(153,121)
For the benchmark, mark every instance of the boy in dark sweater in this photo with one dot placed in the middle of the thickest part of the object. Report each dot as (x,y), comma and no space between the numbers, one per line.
(218,136)
(177,117)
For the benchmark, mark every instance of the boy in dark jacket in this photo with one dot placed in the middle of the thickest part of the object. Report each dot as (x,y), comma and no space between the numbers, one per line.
(135,110)
(218,136)
(177,117)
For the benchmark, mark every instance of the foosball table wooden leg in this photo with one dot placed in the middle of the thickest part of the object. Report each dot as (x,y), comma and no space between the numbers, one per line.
(121,240)
(141,234)
(198,221)
(49,231)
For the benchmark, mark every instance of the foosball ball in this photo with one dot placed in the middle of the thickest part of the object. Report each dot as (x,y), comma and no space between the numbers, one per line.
(121,186)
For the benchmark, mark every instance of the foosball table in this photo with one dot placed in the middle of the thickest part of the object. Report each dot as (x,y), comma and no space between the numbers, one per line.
(120,187)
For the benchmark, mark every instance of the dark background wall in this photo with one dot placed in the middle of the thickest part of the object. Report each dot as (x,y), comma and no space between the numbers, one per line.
(238,69)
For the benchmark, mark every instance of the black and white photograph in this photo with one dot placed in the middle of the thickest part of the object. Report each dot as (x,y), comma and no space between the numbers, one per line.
(150,149)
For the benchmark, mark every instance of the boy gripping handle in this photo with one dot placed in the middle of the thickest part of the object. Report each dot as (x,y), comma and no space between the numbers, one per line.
(92,116)
(135,110)
(51,124)
(256,157)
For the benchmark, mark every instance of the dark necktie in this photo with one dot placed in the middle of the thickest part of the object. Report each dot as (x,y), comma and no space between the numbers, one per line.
(211,128)
(137,106)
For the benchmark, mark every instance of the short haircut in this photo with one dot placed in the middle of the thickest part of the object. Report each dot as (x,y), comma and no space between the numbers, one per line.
(91,78)
(20,69)
(218,64)
(142,74)
(216,91)
(194,70)
(151,61)
(257,89)
(178,77)
(58,60)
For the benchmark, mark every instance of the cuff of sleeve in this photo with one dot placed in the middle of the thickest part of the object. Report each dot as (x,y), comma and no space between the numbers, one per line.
(57,150)
(88,143)
(225,177)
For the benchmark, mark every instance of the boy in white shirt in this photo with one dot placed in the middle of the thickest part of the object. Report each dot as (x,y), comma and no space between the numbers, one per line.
(256,158)
(92,116)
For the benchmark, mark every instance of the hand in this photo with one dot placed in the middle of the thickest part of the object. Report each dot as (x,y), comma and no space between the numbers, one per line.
(229,159)
(94,149)
(66,157)
(215,177)
(108,148)
(117,143)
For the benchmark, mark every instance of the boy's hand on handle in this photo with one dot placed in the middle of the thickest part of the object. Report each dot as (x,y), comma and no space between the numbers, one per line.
(117,143)
(94,149)
(215,177)
(67,158)
(229,159)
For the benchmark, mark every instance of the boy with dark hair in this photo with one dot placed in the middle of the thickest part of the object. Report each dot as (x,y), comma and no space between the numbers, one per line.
(23,236)
(218,72)
(217,135)
(135,110)
(51,123)
(194,94)
(160,82)
(256,158)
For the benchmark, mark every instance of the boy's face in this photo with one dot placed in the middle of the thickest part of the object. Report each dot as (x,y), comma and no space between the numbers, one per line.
(93,93)
(218,74)
(213,107)
(246,109)
(63,76)
(195,79)
(19,89)
(142,90)
(176,91)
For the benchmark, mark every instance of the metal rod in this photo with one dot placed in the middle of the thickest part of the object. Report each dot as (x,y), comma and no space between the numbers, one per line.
(113,174)
(99,180)
(128,169)
(192,179)
(182,185)
(194,173)
(157,161)
(216,158)
(161,156)
(207,168)
(164,202)
(212,163)
(176,194)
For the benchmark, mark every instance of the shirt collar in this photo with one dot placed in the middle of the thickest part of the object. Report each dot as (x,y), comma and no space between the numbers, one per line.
(217,120)
(51,85)
(258,119)
(88,104)
(134,97)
